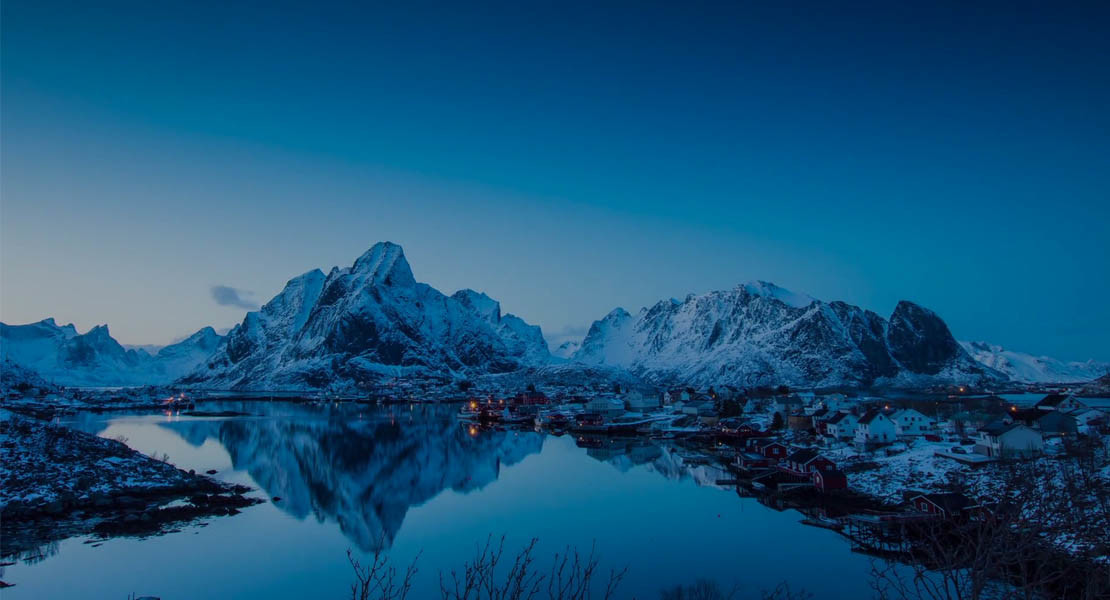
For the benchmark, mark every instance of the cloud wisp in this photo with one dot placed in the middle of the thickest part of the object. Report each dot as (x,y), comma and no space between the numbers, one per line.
(228,296)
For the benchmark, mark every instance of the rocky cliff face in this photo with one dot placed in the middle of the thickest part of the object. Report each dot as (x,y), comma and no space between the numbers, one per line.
(761,334)
(364,323)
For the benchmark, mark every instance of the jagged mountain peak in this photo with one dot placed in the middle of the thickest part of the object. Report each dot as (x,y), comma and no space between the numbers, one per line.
(481,304)
(758,333)
(617,314)
(384,264)
(99,332)
(365,323)
(765,289)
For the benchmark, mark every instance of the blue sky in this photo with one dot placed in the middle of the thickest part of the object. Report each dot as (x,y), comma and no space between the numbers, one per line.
(565,159)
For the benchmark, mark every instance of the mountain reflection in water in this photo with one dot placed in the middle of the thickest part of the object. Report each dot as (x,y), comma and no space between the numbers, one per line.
(361,467)
(416,480)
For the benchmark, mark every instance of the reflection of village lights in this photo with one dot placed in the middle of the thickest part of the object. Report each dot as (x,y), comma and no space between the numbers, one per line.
(473,431)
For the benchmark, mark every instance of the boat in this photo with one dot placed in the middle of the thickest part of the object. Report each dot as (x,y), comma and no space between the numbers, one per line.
(625,425)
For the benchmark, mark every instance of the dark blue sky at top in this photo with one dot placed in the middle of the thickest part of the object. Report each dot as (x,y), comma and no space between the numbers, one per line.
(565,158)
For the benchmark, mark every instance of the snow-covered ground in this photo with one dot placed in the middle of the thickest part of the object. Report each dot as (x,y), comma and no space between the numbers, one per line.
(50,468)
(888,477)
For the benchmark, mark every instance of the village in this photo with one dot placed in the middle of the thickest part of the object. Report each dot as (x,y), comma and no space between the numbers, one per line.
(847,462)
(836,456)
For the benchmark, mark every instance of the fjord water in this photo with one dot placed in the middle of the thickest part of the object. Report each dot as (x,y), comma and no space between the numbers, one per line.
(412,479)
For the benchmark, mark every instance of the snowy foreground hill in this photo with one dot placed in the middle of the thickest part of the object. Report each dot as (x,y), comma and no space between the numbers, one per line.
(1020,366)
(95,358)
(760,334)
(364,323)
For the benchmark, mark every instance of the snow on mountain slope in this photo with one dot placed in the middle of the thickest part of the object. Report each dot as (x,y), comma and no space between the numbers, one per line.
(65,357)
(1020,366)
(176,360)
(760,334)
(367,322)
(16,377)
(520,338)
(566,349)
(95,358)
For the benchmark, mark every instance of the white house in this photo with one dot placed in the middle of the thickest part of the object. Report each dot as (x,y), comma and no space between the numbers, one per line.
(785,405)
(875,428)
(841,426)
(834,402)
(909,422)
(1007,440)
(1061,402)
(635,401)
(1087,419)
(605,405)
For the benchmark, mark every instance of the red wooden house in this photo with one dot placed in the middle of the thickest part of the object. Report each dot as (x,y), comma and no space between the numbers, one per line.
(771,449)
(831,480)
(804,462)
(946,505)
(751,460)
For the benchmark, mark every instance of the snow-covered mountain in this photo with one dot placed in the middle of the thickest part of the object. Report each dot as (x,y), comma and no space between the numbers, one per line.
(1023,367)
(364,323)
(760,334)
(184,357)
(566,349)
(95,358)
(522,339)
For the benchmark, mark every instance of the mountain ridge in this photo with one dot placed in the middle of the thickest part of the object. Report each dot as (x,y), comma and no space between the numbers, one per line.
(368,322)
(760,334)
(357,325)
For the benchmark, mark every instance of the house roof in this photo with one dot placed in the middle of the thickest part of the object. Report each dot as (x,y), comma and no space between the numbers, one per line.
(869,416)
(838,417)
(1057,421)
(1052,400)
(1026,414)
(803,456)
(951,502)
(817,414)
(997,428)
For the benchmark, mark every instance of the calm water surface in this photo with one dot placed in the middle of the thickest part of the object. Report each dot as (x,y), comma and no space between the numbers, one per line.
(413,479)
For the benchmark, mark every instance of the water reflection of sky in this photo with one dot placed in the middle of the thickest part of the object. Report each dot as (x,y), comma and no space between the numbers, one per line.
(640,510)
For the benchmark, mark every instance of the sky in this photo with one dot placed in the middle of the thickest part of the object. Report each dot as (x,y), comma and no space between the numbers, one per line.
(166,166)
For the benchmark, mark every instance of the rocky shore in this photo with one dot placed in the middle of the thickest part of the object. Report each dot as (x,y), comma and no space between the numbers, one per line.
(56,482)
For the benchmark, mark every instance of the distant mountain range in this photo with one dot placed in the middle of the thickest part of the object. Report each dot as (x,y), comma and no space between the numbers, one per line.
(760,334)
(95,358)
(373,321)
(1020,366)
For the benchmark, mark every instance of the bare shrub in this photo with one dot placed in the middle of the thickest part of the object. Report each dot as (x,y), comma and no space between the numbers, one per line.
(1037,538)
(572,576)
(379,579)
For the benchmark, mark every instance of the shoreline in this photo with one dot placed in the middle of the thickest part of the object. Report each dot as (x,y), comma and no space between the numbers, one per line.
(59,482)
